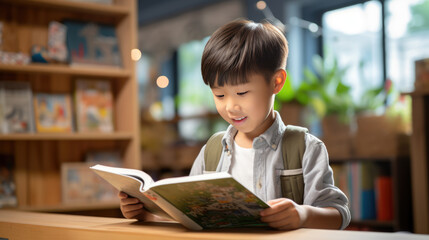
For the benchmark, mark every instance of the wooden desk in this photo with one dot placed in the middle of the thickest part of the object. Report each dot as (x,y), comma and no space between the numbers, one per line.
(18,225)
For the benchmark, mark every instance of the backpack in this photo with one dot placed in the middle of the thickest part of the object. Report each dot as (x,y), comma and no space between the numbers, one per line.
(293,148)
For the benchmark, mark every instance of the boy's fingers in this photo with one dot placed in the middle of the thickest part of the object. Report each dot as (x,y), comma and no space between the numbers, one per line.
(122,195)
(127,201)
(274,201)
(132,214)
(276,206)
(130,208)
(274,218)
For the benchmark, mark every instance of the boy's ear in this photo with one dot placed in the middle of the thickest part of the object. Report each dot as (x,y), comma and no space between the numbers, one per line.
(279,80)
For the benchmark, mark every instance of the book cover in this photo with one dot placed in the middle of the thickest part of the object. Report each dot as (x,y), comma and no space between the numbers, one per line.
(92,44)
(53,112)
(207,201)
(94,106)
(57,48)
(16,111)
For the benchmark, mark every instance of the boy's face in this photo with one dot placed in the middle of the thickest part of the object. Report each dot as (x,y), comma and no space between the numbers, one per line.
(248,107)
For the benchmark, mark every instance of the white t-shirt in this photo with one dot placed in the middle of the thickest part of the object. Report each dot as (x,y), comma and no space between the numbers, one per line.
(242,165)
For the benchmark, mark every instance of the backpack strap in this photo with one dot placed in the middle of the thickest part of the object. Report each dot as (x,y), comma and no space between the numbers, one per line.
(213,151)
(293,148)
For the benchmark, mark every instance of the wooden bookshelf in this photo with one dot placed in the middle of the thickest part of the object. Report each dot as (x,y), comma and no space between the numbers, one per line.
(38,157)
(398,169)
(119,9)
(67,136)
(36,68)
(420,159)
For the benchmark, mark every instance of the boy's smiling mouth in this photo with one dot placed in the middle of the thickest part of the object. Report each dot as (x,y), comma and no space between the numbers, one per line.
(239,120)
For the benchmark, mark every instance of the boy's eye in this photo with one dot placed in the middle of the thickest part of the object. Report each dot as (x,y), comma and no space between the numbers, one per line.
(219,96)
(242,93)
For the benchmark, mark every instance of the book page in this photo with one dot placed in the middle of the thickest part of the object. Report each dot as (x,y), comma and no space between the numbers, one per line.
(132,182)
(212,203)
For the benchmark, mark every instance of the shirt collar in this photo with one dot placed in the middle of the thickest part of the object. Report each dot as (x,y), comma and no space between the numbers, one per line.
(271,137)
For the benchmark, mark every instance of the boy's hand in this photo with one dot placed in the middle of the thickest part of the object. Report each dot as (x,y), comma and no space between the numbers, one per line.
(132,208)
(284,214)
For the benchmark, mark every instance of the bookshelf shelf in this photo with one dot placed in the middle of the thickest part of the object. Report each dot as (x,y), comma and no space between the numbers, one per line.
(38,157)
(72,207)
(74,6)
(66,70)
(66,136)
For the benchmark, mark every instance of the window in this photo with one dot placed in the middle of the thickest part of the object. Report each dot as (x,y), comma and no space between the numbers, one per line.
(354,36)
(407,34)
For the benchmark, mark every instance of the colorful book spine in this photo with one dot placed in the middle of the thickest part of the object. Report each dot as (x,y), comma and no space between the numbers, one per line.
(367,207)
(384,198)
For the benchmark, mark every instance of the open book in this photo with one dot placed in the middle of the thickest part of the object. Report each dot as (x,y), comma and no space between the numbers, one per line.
(198,202)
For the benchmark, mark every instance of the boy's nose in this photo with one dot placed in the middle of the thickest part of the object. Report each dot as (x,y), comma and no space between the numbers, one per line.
(232,106)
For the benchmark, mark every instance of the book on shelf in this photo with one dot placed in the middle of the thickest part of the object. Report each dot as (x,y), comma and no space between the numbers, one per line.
(367,178)
(7,183)
(105,157)
(199,202)
(355,186)
(92,44)
(384,198)
(53,113)
(367,188)
(16,111)
(94,106)
(57,48)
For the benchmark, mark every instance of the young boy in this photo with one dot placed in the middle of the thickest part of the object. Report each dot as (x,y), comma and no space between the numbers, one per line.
(244,65)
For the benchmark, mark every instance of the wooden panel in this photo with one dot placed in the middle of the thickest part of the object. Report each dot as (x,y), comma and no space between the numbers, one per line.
(419,164)
(67,136)
(35,176)
(50,169)
(127,99)
(82,7)
(21,173)
(66,70)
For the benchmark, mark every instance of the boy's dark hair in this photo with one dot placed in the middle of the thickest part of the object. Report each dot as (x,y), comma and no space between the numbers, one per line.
(240,48)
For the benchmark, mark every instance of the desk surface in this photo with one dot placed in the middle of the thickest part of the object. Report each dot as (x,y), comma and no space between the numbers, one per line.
(30,225)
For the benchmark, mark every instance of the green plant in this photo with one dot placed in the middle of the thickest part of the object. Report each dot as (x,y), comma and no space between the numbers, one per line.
(371,100)
(329,95)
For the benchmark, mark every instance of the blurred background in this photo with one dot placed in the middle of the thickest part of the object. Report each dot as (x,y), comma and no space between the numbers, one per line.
(358,79)
(350,59)
(351,69)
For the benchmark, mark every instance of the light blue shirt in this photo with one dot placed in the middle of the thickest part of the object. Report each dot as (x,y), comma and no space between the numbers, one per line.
(319,189)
